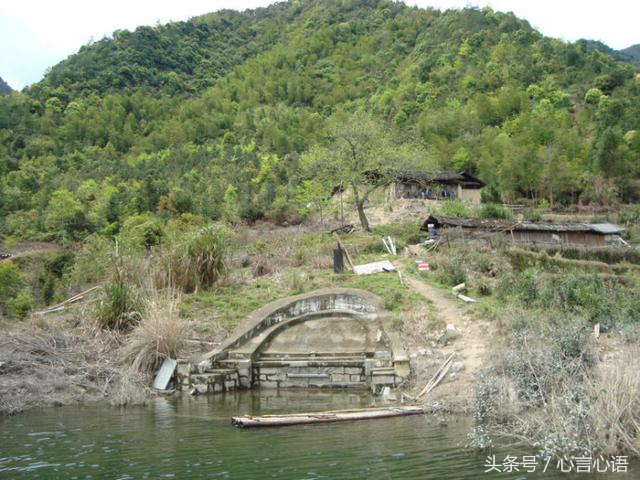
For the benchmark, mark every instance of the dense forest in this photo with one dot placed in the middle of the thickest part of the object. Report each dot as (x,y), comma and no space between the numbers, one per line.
(231,115)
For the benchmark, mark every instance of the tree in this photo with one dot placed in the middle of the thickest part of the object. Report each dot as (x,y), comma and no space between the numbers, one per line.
(64,215)
(312,194)
(361,154)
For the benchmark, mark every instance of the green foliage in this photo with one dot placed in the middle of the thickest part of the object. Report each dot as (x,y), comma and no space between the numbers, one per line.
(494,210)
(11,280)
(13,298)
(92,263)
(143,230)
(533,215)
(64,216)
(21,305)
(196,258)
(228,114)
(587,296)
(450,270)
(121,306)
(455,208)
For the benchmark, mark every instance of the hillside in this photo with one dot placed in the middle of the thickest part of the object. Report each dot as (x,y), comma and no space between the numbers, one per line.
(629,55)
(4,87)
(633,52)
(215,116)
(177,57)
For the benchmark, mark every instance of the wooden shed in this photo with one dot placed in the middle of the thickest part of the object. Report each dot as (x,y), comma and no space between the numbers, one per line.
(581,234)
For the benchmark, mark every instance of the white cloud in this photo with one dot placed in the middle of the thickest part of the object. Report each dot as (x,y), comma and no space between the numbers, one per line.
(37,34)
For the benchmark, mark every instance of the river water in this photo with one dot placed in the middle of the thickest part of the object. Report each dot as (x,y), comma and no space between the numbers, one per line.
(192,438)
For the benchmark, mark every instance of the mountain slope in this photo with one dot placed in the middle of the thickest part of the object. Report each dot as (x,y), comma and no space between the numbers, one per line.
(174,57)
(4,87)
(628,55)
(214,116)
(633,53)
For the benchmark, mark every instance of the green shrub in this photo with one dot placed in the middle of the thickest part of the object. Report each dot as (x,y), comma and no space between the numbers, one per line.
(12,283)
(494,210)
(21,305)
(406,233)
(91,263)
(121,306)
(11,280)
(451,271)
(533,215)
(455,208)
(196,259)
(144,230)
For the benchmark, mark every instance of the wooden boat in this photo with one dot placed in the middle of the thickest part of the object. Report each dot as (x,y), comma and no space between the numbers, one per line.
(324,417)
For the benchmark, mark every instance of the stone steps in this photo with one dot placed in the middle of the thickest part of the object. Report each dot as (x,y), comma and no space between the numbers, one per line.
(213,380)
(305,355)
(311,362)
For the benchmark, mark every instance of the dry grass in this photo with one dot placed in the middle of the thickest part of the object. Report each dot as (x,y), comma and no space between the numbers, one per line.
(159,334)
(564,406)
(615,391)
(44,364)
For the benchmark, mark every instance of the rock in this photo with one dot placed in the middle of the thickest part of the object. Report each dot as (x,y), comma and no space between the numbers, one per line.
(457,367)
(451,332)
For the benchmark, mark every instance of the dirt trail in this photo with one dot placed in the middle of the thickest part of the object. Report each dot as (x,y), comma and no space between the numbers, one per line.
(473,348)
(27,249)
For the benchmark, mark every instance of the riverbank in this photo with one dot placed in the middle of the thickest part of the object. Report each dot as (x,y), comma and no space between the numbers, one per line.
(520,351)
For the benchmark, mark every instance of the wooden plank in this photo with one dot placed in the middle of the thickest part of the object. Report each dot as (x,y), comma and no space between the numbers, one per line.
(344,249)
(466,299)
(324,417)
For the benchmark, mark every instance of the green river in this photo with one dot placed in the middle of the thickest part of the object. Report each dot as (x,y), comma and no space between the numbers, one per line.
(192,438)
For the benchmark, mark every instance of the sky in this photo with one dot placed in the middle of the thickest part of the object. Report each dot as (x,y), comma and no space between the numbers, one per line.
(37,34)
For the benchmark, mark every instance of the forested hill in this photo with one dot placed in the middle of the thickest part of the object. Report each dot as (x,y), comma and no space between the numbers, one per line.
(629,55)
(176,57)
(4,87)
(214,116)
(633,52)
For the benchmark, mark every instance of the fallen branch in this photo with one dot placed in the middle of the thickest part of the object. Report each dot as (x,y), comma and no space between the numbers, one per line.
(62,305)
(437,377)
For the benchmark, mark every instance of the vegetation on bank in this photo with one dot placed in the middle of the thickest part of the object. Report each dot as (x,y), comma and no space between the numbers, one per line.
(548,386)
(554,385)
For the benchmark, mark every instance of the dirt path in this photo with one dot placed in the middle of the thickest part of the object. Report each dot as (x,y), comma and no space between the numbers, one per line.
(473,347)
(27,249)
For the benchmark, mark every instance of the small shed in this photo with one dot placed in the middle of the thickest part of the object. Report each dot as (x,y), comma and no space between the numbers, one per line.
(580,234)
(439,186)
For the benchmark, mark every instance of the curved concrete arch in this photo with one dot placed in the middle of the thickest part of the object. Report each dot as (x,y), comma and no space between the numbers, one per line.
(329,299)
(336,337)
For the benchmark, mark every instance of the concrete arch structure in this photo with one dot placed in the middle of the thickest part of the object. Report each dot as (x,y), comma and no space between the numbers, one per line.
(326,338)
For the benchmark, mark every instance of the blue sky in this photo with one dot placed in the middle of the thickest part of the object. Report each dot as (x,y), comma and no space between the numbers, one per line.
(37,34)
